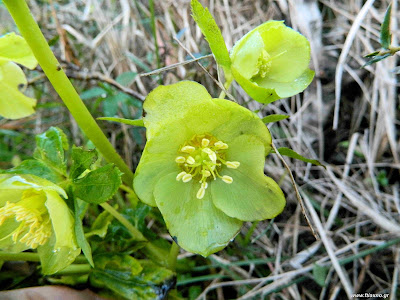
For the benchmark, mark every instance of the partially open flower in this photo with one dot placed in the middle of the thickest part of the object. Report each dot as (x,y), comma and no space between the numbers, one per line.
(34,216)
(203,166)
(271,62)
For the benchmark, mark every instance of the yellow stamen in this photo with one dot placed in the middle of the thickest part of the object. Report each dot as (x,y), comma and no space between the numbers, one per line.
(205,142)
(187,177)
(188,149)
(180,160)
(200,194)
(227,179)
(233,164)
(180,175)
(190,160)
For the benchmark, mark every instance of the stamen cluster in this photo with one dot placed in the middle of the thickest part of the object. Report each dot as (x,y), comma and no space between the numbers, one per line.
(34,226)
(202,158)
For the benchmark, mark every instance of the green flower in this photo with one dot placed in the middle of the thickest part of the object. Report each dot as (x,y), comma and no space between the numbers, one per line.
(271,62)
(14,104)
(34,216)
(203,166)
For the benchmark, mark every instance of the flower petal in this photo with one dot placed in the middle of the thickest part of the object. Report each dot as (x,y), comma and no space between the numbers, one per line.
(252,195)
(197,224)
(288,89)
(289,49)
(13,103)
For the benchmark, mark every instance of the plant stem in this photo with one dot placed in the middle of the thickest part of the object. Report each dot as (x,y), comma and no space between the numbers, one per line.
(30,30)
(30,256)
(75,269)
(227,84)
(173,255)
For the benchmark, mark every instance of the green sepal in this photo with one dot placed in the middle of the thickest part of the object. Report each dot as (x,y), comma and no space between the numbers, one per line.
(99,185)
(386,36)
(130,278)
(50,149)
(293,154)
(81,160)
(138,122)
(213,35)
(80,235)
(274,118)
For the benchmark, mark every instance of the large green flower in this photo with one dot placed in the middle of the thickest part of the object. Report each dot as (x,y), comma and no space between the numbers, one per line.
(34,216)
(271,62)
(203,166)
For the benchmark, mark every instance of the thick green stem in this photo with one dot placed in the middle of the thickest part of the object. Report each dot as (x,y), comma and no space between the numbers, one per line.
(30,30)
(31,256)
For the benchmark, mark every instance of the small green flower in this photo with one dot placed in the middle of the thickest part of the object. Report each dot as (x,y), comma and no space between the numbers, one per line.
(34,216)
(271,62)
(203,166)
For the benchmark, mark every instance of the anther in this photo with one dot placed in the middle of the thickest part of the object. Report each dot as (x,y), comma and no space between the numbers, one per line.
(204,185)
(180,160)
(190,160)
(221,145)
(200,194)
(180,175)
(232,164)
(227,179)
(187,177)
(205,142)
(188,149)
(206,173)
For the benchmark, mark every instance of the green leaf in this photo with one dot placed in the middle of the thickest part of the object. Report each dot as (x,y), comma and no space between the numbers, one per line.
(213,35)
(126,78)
(100,225)
(138,122)
(93,93)
(372,54)
(80,235)
(81,160)
(386,36)
(376,59)
(14,48)
(13,103)
(319,274)
(293,154)
(99,185)
(50,147)
(36,167)
(130,278)
(274,118)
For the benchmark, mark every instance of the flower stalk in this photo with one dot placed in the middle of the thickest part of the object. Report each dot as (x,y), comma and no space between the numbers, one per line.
(30,30)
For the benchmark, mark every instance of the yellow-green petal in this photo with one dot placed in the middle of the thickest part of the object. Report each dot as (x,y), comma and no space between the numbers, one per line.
(13,103)
(196,224)
(251,196)
(14,48)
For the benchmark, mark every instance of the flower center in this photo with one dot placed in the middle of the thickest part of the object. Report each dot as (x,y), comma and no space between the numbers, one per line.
(264,63)
(202,158)
(34,228)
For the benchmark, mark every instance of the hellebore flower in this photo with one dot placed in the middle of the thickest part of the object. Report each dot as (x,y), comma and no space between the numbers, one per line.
(271,62)
(34,216)
(203,166)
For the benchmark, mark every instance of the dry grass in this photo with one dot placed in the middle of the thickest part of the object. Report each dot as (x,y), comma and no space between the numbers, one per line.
(348,117)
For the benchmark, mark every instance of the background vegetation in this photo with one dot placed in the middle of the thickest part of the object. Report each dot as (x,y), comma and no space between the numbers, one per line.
(348,118)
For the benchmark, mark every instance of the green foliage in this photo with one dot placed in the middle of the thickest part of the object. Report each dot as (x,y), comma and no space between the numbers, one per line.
(386,36)
(99,185)
(80,235)
(131,278)
(274,118)
(319,273)
(82,160)
(212,34)
(293,154)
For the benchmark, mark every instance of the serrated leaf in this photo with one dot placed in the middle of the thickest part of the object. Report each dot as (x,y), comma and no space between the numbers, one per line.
(376,59)
(131,278)
(213,35)
(13,103)
(81,160)
(274,118)
(14,48)
(37,168)
(138,122)
(293,154)
(80,235)
(50,149)
(386,36)
(99,185)
(319,274)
